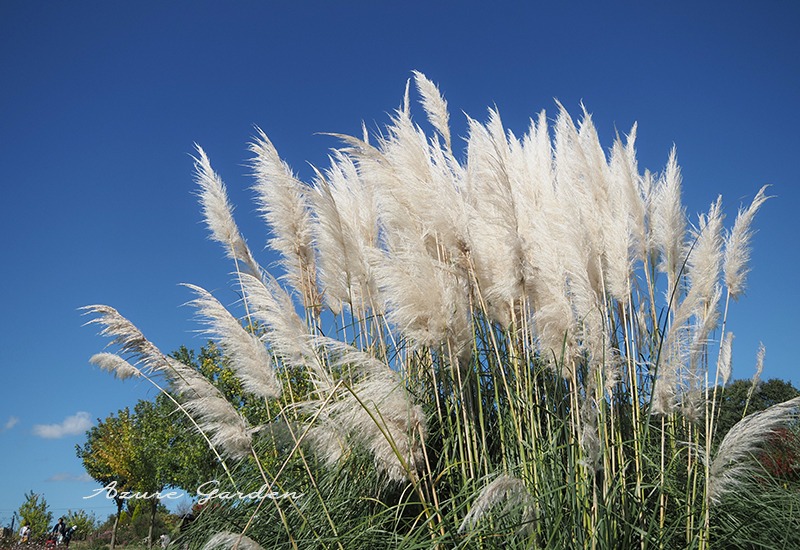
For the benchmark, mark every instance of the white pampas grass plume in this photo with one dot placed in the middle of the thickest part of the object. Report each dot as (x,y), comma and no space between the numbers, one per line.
(416,186)
(422,215)
(737,246)
(505,489)
(218,214)
(707,320)
(733,457)
(116,365)
(375,411)
(668,222)
(389,423)
(762,351)
(287,334)
(250,359)
(665,391)
(631,192)
(228,540)
(378,414)
(493,228)
(334,261)
(283,204)
(213,413)
(435,106)
(130,339)
(426,299)
(705,258)
(605,208)
(346,229)
(724,362)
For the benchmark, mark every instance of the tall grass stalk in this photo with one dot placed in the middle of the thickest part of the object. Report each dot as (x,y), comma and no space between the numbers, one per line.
(510,349)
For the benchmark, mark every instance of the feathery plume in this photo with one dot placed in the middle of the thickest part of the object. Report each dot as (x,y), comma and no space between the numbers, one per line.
(333,261)
(605,206)
(346,228)
(495,247)
(505,489)
(113,363)
(590,438)
(635,191)
(435,106)
(283,204)
(724,362)
(417,188)
(286,333)
(250,359)
(665,390)
(218,214)
(705,259)
(130,339)
(731,465)
(378,414)
(425,298)
(668,223)
(762,351)
(216,415)
(737,246)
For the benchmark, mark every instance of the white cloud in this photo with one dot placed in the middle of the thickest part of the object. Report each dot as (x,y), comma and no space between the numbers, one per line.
(72,425)
(64,476)
(10,423)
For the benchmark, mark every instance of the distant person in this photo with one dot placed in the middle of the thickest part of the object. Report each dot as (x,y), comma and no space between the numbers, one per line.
(58,530)
(24,533)
(68,535)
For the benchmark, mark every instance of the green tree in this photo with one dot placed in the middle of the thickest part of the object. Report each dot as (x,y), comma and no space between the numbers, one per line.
(34,512)
(108,456)
(86,523)
(144,451)
(158,444)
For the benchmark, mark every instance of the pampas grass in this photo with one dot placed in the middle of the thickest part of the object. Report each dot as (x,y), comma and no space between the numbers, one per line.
(226,429)
(540,313)
(737,246)
(116,365)
(506,490)
(734,457)
(250,359)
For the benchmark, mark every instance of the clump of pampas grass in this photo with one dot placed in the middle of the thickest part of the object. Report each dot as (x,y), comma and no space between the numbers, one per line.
(539,312)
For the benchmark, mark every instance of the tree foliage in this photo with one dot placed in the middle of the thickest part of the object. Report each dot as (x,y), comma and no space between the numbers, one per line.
(155,446)
(108,456)
(34,512)
(85,522)
(740,398)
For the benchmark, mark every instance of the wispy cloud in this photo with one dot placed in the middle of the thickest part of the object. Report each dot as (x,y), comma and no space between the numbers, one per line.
(10,423)
(72,425)
(64,476)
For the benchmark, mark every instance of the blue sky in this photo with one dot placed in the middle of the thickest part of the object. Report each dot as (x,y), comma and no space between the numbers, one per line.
(101,103)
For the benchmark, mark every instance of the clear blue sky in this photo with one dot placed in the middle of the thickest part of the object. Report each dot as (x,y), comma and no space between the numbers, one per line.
(101,103)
